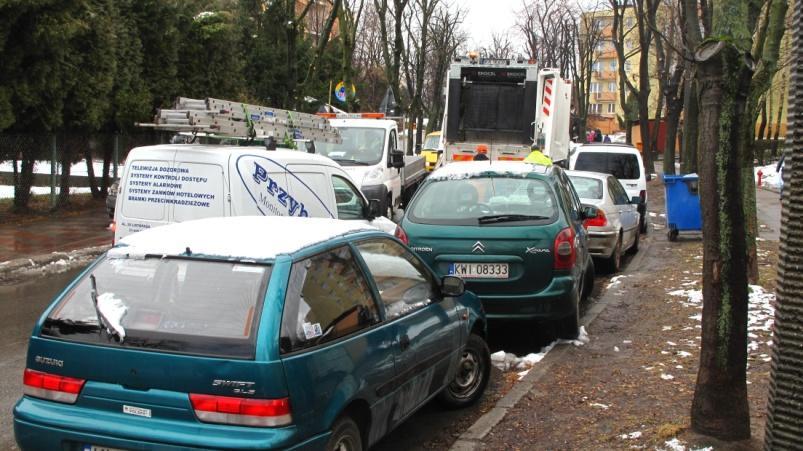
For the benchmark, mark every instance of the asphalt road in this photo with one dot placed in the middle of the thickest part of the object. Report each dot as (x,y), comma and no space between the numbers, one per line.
(768,210)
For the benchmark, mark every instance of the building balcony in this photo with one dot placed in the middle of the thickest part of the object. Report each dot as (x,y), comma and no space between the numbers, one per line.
(604,75)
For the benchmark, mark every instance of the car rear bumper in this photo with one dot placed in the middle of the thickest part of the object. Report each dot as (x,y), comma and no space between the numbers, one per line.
(557,300)
(46,425)
(601,244)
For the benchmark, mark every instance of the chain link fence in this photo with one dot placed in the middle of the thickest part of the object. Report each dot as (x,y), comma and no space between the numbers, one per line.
(61,165)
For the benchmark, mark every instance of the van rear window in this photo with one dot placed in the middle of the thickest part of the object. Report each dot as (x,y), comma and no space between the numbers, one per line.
(184,306)
(619,165)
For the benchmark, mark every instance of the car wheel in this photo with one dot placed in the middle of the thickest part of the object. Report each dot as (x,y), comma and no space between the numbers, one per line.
(634,248)
(345,436)
(568,328)
(472,375)
(588,282)
(614,262)
(643,222)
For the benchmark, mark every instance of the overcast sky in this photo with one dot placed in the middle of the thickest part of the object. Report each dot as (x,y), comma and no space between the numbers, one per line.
(485,17)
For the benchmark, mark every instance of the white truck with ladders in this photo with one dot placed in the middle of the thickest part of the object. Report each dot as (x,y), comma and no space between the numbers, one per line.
(262,174)
(504,108)
(370,153)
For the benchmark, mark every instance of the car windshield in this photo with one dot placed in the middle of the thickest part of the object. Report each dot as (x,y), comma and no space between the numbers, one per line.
(620,165)
(360,146)
(587,187)
(431,143)
(166,304)
(485,200)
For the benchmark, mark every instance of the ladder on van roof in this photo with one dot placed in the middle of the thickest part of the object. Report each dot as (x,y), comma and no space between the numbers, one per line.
(228,119)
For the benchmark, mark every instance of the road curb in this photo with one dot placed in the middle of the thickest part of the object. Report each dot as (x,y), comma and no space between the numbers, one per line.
(472,438)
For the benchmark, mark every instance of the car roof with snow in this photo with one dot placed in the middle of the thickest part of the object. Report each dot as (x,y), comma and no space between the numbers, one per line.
(607,147)
(468,169)
(240,238)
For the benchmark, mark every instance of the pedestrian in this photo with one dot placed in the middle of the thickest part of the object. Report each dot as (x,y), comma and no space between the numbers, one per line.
(598,135)
(607,139)
(482,153)
(537,157)
(590,136)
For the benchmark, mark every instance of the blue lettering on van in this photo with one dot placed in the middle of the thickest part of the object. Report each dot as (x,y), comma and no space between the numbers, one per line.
(294,207)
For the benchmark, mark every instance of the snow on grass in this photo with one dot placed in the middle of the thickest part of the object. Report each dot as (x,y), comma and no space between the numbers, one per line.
(677,445)
(631,436)
(667,377)
(7,191)
(599,406)
(761,314)
(683,354)
(693,297)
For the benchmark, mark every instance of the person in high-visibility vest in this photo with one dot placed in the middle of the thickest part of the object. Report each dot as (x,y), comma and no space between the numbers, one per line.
(536,157)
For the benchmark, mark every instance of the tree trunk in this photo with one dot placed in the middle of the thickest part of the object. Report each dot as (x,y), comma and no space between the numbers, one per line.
(107,162)
(23,181)
(777,134)
(63,200)
(720,406)
(674,108)
(762,127)
(691,112)
(90,173)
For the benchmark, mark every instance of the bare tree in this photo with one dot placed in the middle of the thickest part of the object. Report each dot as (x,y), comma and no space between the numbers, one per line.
(500,47)
(584,33)
(446,38)
(392,51)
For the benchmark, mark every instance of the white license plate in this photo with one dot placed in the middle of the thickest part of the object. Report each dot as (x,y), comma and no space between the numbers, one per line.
(100,448)
(479,270)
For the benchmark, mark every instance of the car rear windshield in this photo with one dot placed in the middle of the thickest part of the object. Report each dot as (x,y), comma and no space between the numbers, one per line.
(619,165)
(485,200)
(587,187)
(184,306)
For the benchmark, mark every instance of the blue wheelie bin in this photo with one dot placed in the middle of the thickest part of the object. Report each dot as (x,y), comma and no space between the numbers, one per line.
(682,204)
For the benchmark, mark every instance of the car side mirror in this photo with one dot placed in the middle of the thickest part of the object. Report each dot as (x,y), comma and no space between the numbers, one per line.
(452,286)
(440,152)
(396,159)
(635,200)
(374,209)
(588,212)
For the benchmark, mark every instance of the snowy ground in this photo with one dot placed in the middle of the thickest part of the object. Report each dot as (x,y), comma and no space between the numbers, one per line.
(507,361)
(43,167)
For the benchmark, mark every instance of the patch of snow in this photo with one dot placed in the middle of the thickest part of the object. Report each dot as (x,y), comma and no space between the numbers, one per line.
(761,314)
(683,354)
(7,191)
(507,361)
(599,406)
(653,215)
(113,310)
(671,343)
(627,342)
(616,348)
(582,338)
(680,367)
(242,237)
(666,328)
(698,317)
(631,436)
(616,280)
(677,445)
(693,297)
(667,377)
(521,374)
(664,352)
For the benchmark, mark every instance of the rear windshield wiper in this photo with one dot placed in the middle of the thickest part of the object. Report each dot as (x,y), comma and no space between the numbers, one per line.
(103,323)
(508,218)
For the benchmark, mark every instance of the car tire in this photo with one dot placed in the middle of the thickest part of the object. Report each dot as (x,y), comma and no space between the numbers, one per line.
(568,328)
(614,262)
(643,222)
(472,375)
(634,248)
(588,281)
(345,436)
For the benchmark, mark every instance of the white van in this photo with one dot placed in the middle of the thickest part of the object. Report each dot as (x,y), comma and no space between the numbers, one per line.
(622,161)
(178,182)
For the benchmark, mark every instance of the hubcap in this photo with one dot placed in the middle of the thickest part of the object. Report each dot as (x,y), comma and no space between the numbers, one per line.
(468,376)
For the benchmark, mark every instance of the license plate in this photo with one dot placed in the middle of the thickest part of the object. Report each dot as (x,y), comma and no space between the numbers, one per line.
(479,270)
(100,448)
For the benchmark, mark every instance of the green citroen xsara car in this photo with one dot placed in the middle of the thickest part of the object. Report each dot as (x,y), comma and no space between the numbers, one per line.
(513,231)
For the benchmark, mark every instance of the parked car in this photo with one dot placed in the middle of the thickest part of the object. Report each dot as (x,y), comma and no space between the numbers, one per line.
(111,198)
(514,232)
(249,333)
(622,161)
(616,228)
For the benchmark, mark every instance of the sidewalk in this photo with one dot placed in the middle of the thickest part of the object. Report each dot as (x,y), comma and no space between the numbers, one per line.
(631,386)
(47,235)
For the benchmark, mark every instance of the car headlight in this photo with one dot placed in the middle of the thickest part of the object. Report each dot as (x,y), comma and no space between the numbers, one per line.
(373,177)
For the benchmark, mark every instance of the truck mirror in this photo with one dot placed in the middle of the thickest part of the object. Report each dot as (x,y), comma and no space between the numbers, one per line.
(374,209)
(396,159)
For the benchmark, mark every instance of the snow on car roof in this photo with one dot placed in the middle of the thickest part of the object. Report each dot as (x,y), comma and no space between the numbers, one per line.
(468,169)
(595,175)
(242,237)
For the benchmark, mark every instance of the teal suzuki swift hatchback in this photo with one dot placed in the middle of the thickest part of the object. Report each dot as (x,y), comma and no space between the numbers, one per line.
(249,333)
(514,232)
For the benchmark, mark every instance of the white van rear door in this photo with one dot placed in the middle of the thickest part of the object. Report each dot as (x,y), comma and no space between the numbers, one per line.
(198,192)
(137,209)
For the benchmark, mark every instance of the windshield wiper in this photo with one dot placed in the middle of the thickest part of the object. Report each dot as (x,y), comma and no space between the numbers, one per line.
(103,323)
(490,219)
(350,161)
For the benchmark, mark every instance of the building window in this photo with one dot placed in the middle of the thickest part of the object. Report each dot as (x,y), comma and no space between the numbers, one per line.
(611,86)
(613,65)
(595,108)
(595,87)
(595,67)
(611,108)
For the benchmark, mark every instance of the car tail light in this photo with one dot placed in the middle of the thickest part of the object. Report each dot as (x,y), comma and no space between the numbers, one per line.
(565,253)
(401,235)
(600,221)
(51,386)
(242,411)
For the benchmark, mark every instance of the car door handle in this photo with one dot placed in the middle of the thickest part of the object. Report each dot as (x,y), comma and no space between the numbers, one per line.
(404,342)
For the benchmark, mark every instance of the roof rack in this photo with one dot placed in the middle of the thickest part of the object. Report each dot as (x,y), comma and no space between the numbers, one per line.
(228,119)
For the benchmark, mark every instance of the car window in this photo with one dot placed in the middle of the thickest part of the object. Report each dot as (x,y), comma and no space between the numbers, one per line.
(619,165)
(403,283)
(572,201)
(327,298)
(465,201)
(587,187)
(350,204)
(619,194)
